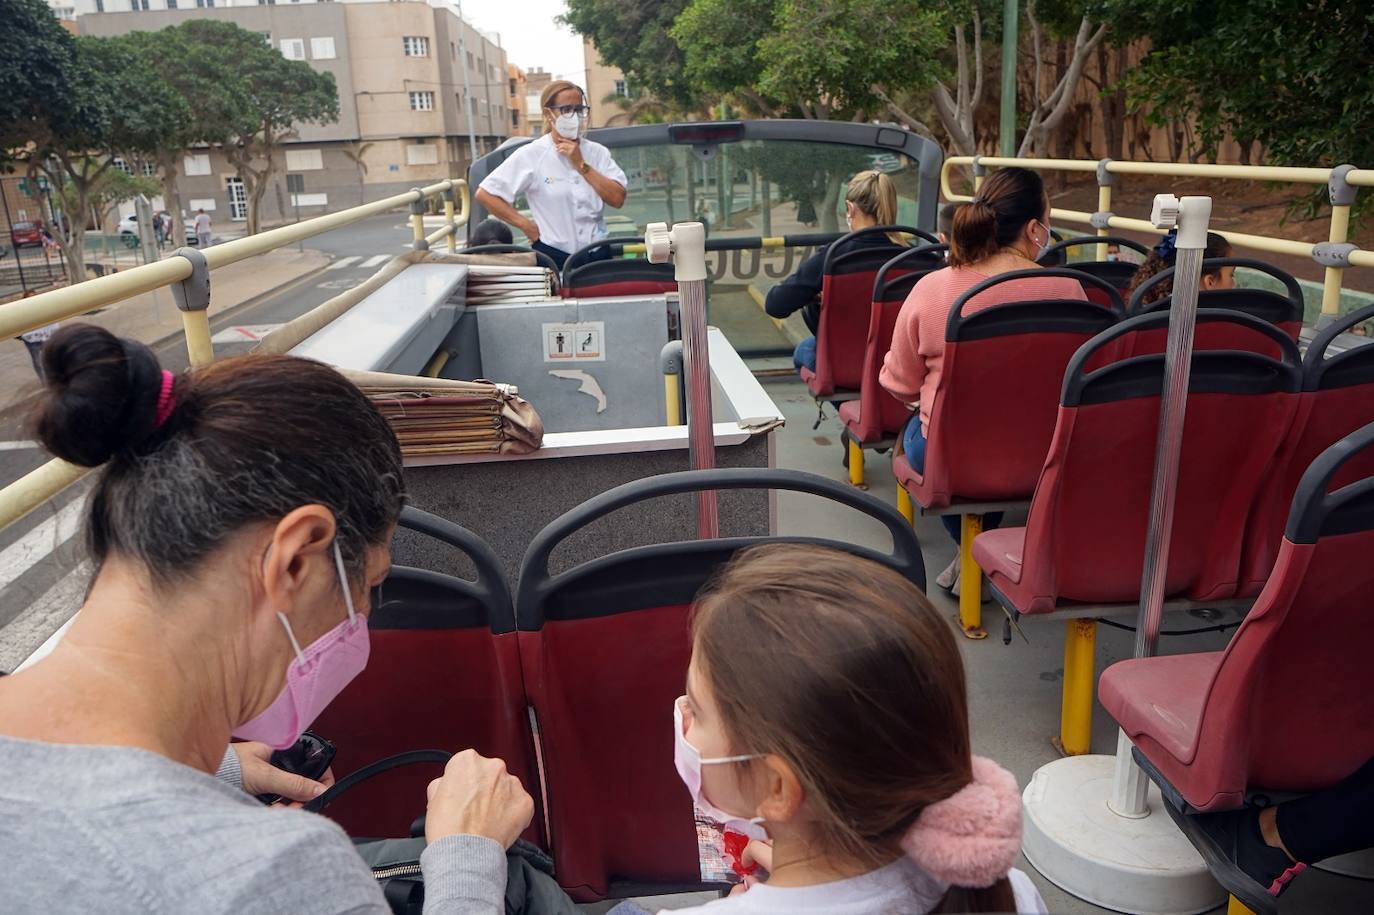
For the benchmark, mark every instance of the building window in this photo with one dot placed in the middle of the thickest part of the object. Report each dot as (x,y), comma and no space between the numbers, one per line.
(138,5)
(322,48)
(515,118)
(452,51)
(171,4)
(267,2)
(470,66)
(293,48)
(100,6)
(512,87)
(266,36)
(304,160)
(204,4)
(196,164)
(422,101)
(422,154)
(620,88)
(415,45)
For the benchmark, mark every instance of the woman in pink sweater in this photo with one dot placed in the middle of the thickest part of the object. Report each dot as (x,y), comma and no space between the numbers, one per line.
(1002,230)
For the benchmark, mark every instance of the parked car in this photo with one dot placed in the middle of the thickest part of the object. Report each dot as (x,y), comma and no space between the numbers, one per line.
(128,226)
(26,233)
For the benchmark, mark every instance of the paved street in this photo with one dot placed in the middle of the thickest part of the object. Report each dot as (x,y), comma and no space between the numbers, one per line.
(42,580)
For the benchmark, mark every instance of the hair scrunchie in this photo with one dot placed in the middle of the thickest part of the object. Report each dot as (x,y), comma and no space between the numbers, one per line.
(972,837)
(166,399)
(1167,245)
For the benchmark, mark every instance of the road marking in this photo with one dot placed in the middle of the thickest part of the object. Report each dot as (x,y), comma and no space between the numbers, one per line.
(35,546)
(375,260)
(244,333)
(44,621)
(342,262)
(18,446)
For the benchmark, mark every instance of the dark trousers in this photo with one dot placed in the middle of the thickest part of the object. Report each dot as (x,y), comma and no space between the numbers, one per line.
(1334,821)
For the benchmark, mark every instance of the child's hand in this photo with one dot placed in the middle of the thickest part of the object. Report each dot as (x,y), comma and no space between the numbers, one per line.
(759,852)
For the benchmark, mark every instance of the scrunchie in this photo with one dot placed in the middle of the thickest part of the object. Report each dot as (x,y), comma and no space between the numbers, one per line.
(166,399)
(972,837)
(1166,246)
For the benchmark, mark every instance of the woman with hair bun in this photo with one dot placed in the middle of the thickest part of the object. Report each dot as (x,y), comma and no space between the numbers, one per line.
(240,516)
(1164,255)
(1001,230)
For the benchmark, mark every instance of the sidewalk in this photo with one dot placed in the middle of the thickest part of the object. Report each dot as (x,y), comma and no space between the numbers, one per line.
(153,317)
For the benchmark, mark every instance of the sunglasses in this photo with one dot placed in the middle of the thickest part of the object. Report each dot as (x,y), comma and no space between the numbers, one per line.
(580,110)
(310,756)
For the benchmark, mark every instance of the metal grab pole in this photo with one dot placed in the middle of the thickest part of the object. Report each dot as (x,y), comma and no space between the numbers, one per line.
(685,245)
(1190,216)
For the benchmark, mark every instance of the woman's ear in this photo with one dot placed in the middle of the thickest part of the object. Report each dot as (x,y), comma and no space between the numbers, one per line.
(782,794)
(305,532)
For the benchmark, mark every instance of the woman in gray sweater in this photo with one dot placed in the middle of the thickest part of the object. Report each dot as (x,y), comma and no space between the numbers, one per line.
(241,515)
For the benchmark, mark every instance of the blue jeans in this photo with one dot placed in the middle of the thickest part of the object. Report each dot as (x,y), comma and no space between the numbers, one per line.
(914,444)
(804,356)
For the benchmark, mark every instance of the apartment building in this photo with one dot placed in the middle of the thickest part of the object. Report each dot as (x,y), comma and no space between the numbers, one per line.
(400,68)
(605,84)
(517,90)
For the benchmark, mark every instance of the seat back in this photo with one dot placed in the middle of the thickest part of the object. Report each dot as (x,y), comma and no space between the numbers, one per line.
(995,403)
(1283,310)
(540,258)
(847,279)
(1085,534)
(1289,708)
(593,271)
(1338,398)
(880,414)
(605,647)
(1117,273)
(444,673)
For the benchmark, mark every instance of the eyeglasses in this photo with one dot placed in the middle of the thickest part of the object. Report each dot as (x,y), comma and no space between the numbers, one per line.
(580,110)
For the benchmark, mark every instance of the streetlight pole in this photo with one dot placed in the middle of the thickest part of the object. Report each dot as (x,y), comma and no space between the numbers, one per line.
(1011,17)
(467,88)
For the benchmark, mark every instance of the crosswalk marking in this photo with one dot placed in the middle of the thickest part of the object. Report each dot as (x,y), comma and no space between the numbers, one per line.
(244,333)
(375,260)
(18,446)
(45,621)
(342,262)
(35,546)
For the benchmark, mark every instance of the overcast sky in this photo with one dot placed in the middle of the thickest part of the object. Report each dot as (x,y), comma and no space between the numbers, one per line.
(530,35)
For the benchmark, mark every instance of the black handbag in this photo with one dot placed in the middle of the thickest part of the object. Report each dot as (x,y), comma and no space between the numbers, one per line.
(395,863)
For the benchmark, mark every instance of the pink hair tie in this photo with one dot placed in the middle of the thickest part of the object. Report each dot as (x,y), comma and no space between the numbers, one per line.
(166,399)
(972,837)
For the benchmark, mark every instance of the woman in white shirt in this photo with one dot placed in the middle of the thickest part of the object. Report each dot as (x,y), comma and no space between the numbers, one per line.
(567,179)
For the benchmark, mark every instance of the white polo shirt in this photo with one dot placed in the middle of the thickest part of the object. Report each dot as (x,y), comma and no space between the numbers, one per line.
(565,206)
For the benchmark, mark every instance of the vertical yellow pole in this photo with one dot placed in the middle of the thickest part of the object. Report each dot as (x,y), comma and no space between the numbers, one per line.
(977,183)
(1104,205)
(904,504)
(672,399)
(448,218)
(1235,907)
(198,346)
(970,579)
(417,226)
(856,463)
(1076,714)
(1331,286)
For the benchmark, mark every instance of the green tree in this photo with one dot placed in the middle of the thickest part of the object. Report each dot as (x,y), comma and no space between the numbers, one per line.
(109,103)
(1285,75)
(34,71)
(634,36)
(254,100)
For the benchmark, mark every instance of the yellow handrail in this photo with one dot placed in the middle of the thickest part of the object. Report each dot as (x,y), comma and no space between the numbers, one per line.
(28,492)
(1337,237)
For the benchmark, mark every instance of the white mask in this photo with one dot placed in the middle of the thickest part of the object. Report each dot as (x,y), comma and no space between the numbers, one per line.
(689,762)
(568,126)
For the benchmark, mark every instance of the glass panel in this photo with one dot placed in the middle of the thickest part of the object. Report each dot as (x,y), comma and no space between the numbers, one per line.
(746,190)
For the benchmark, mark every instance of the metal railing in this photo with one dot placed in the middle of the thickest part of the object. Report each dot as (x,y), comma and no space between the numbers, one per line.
(187,272)
(1335,254)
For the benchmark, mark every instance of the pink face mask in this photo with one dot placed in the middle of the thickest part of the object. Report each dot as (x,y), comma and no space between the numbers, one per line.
(315,676)
(689,762)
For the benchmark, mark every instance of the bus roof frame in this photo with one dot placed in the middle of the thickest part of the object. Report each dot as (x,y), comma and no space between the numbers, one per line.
(881,138)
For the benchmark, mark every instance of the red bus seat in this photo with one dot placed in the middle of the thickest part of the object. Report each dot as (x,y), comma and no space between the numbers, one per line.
(847,281)
(605,650)
(1118,273)
(618,277)
(1286,707)
(878,416)
(444,673)
(1084,537)
(994,408)
(1338,398)
(1283,310)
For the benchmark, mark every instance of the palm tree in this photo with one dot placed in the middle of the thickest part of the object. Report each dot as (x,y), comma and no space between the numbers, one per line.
(639,108)
(355,155)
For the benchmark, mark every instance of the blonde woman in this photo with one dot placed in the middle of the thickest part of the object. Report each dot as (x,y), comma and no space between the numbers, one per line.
(567,179)
(871,200)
